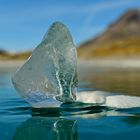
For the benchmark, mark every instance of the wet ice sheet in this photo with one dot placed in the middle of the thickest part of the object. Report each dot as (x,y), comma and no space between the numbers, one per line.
(109,99)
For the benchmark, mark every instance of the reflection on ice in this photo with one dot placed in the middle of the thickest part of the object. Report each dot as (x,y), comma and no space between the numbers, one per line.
(44,128)
(98,126)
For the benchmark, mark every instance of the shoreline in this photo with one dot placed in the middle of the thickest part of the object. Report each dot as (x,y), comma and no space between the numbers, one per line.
(11,63)
(108,63)
(114,63)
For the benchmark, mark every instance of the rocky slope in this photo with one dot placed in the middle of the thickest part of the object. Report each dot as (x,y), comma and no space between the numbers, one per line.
(121,39)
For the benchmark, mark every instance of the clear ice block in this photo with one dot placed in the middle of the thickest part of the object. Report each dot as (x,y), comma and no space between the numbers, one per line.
(49,76)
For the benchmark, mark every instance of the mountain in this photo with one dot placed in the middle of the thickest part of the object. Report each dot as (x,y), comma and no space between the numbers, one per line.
(3,52)
(121,39)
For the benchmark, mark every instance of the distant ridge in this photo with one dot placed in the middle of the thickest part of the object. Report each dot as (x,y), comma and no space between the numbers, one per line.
(3,52)
(4,55)
(121,39)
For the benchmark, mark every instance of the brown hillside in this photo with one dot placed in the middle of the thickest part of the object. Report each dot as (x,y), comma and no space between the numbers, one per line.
(121,39)
(14,56)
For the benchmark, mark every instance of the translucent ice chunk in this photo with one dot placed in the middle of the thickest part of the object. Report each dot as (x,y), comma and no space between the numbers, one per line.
(49,76)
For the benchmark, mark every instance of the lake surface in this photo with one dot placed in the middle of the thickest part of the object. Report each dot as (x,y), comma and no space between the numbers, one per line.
(18,121)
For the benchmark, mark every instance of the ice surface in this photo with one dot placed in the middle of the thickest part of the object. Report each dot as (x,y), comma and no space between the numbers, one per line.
(109,99)
(49,76)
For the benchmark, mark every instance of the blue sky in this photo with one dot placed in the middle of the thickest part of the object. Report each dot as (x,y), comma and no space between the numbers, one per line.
(23,23)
